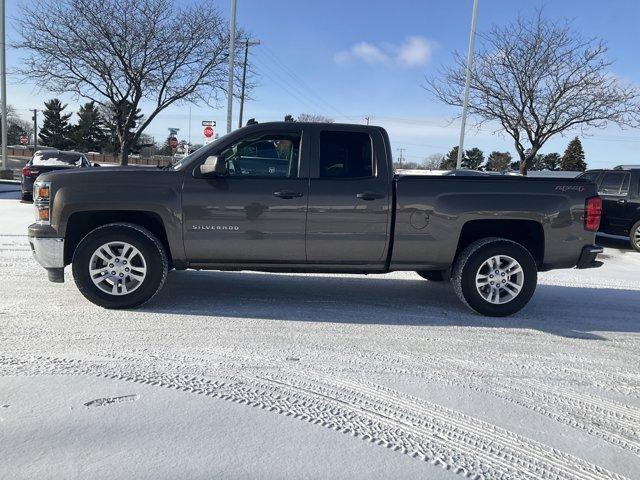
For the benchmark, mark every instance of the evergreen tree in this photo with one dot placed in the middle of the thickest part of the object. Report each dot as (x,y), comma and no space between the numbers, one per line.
(573,158)
(551,161)
(498,161)
(449,161)
(537,163)
(473,159)
(55,128)
(89,134)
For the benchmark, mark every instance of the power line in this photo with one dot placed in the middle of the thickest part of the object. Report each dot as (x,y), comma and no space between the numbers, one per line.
(303,83)
(289,87)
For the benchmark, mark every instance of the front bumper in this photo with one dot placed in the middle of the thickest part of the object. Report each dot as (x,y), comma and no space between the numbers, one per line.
(588,257)
(49,252)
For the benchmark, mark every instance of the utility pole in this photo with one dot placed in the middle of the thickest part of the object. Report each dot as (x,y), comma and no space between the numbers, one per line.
(401,157)
(367,120)
(35,130)
(465,103)
(232,47)
(3,87)
(248,43)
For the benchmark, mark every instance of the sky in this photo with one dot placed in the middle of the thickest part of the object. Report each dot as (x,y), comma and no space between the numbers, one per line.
(352,59)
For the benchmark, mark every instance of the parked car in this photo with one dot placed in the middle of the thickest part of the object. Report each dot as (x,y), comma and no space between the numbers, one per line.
(47,161)
(620,192)
(309,197)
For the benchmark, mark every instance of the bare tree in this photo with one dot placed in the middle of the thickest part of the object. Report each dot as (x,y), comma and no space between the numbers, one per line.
(313,117)
(433,161)
(144,54)
(539,78)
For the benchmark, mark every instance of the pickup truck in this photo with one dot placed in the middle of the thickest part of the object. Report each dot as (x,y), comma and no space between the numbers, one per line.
(309,197)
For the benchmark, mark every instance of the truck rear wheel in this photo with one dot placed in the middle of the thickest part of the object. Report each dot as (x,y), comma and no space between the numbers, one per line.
(119,265)
(495,276)
(634,236)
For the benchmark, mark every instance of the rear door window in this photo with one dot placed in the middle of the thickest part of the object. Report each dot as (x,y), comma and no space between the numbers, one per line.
(613,183)
(345,155)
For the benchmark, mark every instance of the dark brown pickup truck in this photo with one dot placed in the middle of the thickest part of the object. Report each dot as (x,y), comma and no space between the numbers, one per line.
(308,197)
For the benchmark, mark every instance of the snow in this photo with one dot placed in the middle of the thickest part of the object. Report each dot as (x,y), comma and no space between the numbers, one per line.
(261,375)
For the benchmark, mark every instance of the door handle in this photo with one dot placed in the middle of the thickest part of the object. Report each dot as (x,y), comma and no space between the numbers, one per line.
(287,194)
(622,200)
(370,196)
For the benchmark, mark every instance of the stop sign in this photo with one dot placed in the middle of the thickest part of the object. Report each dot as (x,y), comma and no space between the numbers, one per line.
(208,131)
(173,142)
(24,139)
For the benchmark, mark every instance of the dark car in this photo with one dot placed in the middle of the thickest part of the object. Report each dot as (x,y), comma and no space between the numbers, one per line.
(620,192)
(44,161)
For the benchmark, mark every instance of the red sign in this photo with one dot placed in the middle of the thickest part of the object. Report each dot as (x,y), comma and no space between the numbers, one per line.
(173,142)
(24,139)
(208,131)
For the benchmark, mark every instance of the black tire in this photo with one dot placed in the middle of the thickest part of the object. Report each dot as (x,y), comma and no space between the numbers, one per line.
(27,197)
(149,246)
(468,265)
(634,236)
(433,275)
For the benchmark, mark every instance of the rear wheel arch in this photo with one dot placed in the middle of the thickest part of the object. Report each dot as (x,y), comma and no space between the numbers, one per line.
(80,224)
(527,233)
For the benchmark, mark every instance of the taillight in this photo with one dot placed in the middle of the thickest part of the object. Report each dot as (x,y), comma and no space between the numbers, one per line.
(592,213)
(28,172)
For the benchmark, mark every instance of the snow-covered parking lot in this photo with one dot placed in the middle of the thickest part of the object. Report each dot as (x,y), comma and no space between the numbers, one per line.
(255,375)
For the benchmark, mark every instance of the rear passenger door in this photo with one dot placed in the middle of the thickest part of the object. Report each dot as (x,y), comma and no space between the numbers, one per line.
(614,190)
(348,217)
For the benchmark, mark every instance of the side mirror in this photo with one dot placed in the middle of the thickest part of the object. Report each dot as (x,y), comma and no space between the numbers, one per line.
(213,165)
(96,164)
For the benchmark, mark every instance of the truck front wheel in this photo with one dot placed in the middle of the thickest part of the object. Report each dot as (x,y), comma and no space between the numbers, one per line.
(119,265)
(495,276)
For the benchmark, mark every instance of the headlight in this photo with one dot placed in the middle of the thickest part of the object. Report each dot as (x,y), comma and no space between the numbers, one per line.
(42,202)
(41,191)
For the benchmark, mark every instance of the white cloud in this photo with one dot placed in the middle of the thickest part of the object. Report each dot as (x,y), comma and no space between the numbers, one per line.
(369,53)
(415,51)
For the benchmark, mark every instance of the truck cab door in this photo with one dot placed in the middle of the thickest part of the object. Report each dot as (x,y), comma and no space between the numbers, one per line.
(614,190)
(255,211)
(350,195)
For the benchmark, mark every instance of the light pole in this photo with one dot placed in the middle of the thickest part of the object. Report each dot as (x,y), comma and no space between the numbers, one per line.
(465,103)
(232,46)
(3,86)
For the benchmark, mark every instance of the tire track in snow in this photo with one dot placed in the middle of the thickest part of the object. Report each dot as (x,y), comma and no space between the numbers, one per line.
(380,415)
(530,456)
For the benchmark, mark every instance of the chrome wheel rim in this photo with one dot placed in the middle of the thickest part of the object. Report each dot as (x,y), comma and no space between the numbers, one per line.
(636,237)
(117,268)
(499,279)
